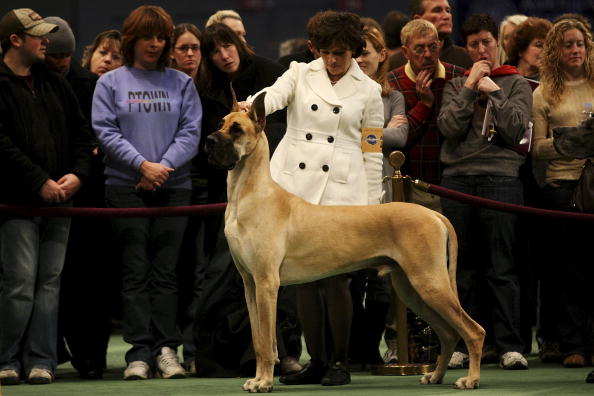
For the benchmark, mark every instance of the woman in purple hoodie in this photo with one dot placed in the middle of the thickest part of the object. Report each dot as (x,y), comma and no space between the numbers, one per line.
(147,119)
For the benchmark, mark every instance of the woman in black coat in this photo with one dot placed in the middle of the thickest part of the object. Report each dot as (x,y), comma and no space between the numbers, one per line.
(222,331)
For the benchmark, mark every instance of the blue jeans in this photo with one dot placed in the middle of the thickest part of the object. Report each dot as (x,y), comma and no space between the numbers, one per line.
(149,250)
(32,254)
(488,282)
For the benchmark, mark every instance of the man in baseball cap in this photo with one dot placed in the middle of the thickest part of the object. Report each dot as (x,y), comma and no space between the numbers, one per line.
(44,157)
(24,20)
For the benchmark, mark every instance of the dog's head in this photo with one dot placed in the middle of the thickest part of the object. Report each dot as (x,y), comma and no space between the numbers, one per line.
(237,135)
(575,142)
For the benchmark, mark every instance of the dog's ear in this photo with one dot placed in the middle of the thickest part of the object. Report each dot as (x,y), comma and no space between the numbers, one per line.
(235,105)
(258,111)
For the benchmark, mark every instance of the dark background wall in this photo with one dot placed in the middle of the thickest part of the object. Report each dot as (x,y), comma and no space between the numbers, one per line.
(269,22)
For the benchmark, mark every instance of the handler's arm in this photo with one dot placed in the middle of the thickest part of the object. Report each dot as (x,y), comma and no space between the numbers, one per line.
(373,117)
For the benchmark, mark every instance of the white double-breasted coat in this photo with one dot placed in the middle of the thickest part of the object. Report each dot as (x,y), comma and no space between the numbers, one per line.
(320,157)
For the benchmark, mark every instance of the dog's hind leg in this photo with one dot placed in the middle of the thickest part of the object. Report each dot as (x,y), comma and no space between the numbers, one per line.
(446,334)
(438,298)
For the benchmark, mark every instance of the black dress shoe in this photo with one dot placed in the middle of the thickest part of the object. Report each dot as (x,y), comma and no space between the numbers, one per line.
(311,374)
(590,378)
(337,374)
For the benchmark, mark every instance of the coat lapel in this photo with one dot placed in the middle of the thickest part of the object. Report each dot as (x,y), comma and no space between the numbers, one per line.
(318,81)
(350,83)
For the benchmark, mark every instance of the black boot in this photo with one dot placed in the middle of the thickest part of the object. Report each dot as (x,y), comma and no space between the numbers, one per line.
(311,374)
(337,374)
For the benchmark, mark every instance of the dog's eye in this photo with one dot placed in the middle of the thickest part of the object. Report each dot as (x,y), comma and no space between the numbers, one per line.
(235,129)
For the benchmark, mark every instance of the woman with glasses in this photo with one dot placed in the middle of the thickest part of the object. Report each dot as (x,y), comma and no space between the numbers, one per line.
(186,55)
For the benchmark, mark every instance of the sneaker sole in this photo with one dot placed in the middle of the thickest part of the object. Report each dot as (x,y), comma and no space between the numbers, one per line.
(134,378)
(39,381)
(515,366)
(174,376)
(10,381)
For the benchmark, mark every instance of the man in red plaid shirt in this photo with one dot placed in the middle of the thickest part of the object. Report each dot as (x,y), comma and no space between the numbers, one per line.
(421,81)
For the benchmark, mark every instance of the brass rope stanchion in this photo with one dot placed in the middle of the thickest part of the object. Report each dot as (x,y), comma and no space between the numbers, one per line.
(404,366)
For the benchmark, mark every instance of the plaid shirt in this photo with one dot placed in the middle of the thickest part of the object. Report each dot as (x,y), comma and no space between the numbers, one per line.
(424,139)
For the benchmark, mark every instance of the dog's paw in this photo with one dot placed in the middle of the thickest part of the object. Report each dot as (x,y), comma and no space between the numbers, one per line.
(255,385)
(466,383)
(429,378)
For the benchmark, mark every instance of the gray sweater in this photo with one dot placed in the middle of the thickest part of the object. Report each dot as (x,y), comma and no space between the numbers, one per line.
(465,151)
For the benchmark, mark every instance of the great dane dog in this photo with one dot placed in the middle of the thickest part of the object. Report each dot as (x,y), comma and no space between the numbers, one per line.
(277,238)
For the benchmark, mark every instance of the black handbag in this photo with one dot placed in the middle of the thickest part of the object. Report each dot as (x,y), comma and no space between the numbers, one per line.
(583,195)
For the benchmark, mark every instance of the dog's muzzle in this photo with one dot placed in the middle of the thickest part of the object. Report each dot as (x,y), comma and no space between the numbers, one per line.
(220,150)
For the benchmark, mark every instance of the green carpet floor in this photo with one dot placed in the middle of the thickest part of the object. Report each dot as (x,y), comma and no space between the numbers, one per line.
(540,379)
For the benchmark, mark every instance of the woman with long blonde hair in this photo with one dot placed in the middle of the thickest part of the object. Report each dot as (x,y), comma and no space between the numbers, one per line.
(567,88)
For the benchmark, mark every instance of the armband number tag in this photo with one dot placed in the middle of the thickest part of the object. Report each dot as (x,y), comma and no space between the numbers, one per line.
(371,140)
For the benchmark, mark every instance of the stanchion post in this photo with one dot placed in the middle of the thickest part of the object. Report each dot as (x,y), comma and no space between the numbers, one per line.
(404,366)
(397,160)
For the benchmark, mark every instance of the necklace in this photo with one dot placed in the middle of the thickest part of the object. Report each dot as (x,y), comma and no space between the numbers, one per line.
(333,82)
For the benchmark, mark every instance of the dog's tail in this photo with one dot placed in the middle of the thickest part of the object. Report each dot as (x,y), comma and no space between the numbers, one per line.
(452,252)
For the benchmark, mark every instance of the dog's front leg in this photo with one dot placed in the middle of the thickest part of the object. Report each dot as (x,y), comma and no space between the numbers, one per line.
(250,299)
(262,307)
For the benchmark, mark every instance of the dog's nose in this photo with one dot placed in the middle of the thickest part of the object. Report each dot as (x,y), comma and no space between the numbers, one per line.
(211,140)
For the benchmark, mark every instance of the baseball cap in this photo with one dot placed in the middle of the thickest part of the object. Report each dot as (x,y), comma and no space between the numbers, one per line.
(24,20)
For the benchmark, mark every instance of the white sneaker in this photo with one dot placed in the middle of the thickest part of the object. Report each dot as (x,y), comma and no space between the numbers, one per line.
(40,376)
(137,370)
(459,360)
(9,377)
(168,364)
(390,356)
(513,361)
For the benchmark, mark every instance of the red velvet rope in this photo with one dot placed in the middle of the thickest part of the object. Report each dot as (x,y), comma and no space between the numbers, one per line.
(194,210)
(212,209)
(506,207)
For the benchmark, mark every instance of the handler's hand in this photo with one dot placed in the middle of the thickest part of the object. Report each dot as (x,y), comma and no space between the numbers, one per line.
(155,173)
(244,106)
(423,87)
(479,70)
(52,192)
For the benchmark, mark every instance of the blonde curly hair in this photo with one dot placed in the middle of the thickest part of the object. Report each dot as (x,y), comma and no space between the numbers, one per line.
(552,76)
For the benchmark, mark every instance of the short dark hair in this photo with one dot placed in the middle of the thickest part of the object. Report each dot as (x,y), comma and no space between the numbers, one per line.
(477,23)
(213,36)
(340,29)
(146,20)
(525,32)
(314,22)
(111,36)
(392,24)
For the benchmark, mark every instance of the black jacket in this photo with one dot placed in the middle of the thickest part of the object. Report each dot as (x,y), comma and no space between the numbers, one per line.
(29,156)
(83,84)
(216,100)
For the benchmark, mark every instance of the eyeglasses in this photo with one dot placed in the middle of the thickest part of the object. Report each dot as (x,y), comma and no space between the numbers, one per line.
(420,49)
(186,48)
